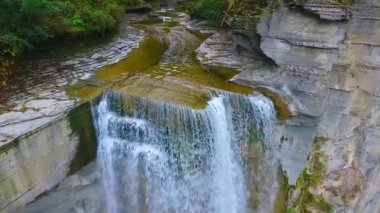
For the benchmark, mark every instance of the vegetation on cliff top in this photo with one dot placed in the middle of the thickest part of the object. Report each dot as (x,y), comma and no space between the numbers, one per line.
(221,11)
(26,23)
(243,11)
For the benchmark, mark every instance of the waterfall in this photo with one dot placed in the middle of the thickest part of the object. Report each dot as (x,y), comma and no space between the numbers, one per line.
(159,157)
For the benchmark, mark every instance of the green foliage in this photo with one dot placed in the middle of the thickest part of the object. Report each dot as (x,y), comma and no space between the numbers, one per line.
(307,179)
(35,21)
(219,11)
(25,23)
(11,45)
(290,210)
(211,10)
(130,2)
(306,200)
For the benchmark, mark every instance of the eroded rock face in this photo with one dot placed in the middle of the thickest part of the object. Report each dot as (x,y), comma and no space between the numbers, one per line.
(327,69)
(350,99)
(327,10)
(299,43)
(78,193)
(38,161)
(23,180)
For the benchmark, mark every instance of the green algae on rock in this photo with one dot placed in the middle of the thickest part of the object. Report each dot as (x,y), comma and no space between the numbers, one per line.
(283,192)
(157,65)
(45,156)
(140,59)
(310,177)
(82,126)
(167,89)
(147,54)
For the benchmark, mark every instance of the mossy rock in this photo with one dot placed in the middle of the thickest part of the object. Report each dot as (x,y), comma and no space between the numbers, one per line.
(310,177)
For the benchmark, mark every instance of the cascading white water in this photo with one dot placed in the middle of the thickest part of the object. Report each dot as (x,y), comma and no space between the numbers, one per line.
(158,157)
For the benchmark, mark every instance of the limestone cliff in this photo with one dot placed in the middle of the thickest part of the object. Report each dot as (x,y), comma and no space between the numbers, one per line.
(36,162)
(327,64)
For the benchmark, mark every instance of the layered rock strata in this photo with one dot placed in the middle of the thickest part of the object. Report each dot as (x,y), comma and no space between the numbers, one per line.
(38,97)
(39,160)
(327,60)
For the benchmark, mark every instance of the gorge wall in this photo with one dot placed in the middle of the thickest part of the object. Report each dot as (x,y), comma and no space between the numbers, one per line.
(39,160)
(327,69)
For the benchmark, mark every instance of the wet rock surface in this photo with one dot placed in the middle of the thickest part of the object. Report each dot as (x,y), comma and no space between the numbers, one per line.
(39,160)
(39,95)
(78,193)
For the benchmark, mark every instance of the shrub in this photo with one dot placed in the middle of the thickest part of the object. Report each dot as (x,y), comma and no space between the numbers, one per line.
(218,11)
(35,21)
(211,10)
(25,23)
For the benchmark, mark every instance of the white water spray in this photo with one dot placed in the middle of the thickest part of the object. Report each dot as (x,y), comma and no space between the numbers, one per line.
(158,157)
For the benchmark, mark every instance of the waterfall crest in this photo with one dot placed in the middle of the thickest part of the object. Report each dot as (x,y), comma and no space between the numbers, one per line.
(159,157)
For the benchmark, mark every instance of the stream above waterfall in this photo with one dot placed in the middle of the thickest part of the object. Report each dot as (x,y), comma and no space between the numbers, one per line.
(163,66)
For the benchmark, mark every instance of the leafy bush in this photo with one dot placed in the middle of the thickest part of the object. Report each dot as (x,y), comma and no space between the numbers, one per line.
(218,11)
(25,23)
(211,10)
(130,2)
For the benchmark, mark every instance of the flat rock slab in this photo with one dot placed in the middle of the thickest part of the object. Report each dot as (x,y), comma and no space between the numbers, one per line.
(41,97)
